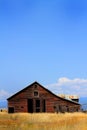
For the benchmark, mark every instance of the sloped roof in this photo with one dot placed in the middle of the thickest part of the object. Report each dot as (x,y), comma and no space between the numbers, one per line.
(43,88)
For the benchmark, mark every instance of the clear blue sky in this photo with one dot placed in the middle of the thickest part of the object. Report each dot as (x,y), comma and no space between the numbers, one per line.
(42,40)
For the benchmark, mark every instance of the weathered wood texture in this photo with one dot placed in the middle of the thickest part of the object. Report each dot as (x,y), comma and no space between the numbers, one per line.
(42,100)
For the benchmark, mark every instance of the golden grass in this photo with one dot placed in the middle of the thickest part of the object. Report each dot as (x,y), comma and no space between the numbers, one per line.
(25,121)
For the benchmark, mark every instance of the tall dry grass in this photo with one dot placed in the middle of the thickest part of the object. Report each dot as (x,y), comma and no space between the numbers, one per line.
(24,121)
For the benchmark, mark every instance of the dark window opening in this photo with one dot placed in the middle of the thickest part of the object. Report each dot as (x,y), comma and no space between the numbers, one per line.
(77,109)
(67,108)
(36,93)
(37,103)
(35,86)
(11,110)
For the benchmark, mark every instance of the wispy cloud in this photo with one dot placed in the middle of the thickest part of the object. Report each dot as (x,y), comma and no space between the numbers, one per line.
(4,94)
(70,86)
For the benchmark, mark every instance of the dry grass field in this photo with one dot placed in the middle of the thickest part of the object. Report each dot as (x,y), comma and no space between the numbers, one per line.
(24,121)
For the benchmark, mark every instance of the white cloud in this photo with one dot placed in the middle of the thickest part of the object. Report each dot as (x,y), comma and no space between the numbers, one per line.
(4,94)
(64,85)
(70,86)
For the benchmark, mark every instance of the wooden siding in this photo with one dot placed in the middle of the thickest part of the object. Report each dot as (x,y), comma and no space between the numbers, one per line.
(45,101)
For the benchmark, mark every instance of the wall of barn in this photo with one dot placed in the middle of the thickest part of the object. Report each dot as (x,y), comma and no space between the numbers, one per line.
(53,104)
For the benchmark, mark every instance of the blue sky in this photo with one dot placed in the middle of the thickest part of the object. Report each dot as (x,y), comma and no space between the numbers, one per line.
(44,41)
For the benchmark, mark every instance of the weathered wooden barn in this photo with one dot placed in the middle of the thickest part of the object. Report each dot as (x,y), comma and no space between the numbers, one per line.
(36,98)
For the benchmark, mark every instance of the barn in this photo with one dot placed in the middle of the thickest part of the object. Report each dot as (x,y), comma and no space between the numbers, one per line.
(36,98)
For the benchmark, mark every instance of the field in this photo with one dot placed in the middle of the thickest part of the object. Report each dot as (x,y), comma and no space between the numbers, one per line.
(24,121)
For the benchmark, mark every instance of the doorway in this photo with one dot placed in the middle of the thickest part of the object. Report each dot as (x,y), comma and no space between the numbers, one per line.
(44,106)
(37,105)
(30,105)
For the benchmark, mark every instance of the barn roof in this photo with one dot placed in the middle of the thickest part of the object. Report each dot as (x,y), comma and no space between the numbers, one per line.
(45,89)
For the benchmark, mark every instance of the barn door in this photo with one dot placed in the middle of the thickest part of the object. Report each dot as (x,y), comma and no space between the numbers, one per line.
(37,105)
(30,105)
(43,106)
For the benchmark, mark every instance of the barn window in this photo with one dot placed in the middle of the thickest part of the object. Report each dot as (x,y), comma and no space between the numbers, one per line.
(11,110)
(67,107)
(35,86)
(36,94)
